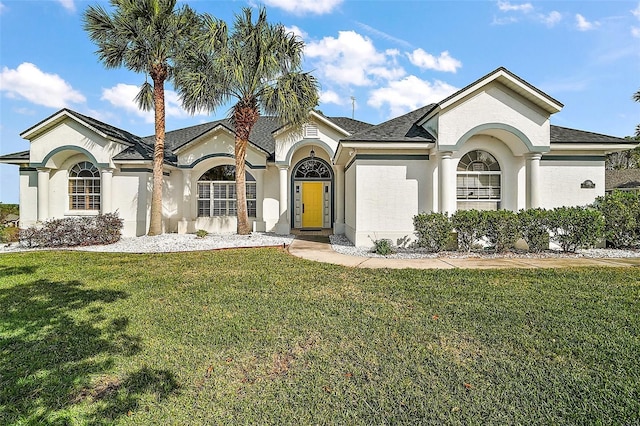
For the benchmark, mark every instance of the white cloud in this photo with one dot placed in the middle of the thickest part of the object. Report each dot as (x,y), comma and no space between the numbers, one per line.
(28,82)
(352,59)
(300,7)
(504,20)
(551,19)
(506,6)
(383,35)
(425,60)
(636,12)
(584,25)
(635,32)
(297,31)
(3,8)
(68,4)
(408,94)
(331,97)
(123,96)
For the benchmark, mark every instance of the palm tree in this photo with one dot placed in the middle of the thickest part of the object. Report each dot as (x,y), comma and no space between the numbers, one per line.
(145,36)
(636,97)
(257,65)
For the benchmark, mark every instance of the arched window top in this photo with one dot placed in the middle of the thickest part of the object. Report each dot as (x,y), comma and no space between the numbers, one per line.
(312,168)
(478,161)
(223,173)
(84,169)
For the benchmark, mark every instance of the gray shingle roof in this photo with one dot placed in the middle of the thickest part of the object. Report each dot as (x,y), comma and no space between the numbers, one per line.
(22,156)
(565,135)
(626,178)
(399,129)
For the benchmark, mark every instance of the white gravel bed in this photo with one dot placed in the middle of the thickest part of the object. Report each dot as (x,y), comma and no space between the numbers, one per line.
(167,243)
(342,245)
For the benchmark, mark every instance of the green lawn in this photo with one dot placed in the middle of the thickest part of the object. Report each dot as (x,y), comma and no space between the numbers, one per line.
(258,336)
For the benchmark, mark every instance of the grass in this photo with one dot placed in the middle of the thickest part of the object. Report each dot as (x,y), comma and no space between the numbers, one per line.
(257,336)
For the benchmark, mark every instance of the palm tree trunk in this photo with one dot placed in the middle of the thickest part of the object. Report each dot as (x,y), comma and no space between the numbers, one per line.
(159,75)
(245,115)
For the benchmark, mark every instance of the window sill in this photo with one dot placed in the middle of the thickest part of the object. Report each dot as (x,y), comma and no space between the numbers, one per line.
(82,213)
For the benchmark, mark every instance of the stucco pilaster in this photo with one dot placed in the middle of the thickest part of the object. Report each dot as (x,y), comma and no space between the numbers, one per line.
(283,227)
(338,226)
(447,178)
(533,180)
(259,224)
(43,194)
(106,190)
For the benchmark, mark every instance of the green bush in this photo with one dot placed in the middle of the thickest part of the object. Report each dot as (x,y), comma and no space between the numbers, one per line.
(470,226)
(9,234)
(201,233)
(501,229)
(576,227)
(534,227)
(621,211)
(433,231)
(74,231)
(383,247)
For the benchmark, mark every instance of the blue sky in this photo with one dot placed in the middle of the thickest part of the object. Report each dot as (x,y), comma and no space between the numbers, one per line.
(391,56)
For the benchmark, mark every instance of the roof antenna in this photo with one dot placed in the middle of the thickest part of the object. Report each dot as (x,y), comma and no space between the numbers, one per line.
(353,107)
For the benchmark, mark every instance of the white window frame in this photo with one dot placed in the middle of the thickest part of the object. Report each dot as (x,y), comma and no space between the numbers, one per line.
(479,192)
(84,193)
(224,204)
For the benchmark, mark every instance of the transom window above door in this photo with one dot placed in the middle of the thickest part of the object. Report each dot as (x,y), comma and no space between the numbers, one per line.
(312,168)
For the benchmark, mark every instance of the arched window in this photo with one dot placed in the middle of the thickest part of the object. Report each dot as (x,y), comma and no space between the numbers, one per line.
(478,177)
(217,192)
(312,168)
(84,187)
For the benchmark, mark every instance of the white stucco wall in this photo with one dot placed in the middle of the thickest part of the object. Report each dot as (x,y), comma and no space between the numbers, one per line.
(494,103)
(351,195)
(28,198)
(389,194)
(560,182)
(289,142)
(270,204)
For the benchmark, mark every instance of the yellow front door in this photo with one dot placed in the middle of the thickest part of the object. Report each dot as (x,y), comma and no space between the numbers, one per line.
(312,204)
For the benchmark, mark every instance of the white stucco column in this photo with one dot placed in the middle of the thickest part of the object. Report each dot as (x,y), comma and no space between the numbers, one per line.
(187,201)
(533,180)
(282,227)
(106,190)
(447,180)
(338,226)
(43,194)
(259,225)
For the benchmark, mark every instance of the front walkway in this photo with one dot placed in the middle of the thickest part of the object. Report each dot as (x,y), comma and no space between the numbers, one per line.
(319,249)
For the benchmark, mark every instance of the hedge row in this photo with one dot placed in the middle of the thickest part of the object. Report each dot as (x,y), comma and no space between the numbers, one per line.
(614,218)
(74,231)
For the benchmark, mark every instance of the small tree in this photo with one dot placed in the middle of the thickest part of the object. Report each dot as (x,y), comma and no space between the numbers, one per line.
(576,227)
(470,226)
(502,229)
(534,226)
(433,231)
(621,212)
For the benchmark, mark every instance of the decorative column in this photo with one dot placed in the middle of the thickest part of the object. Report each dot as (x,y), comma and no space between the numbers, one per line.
(183,224)
(447,178)
(338,226)
(533,180)
(282,227)
(43,194)
(259,225)
(105,190)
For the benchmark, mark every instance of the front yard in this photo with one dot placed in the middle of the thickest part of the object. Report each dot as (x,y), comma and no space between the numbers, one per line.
(258,336)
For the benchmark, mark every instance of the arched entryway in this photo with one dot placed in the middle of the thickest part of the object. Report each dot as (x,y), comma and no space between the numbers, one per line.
(312,194)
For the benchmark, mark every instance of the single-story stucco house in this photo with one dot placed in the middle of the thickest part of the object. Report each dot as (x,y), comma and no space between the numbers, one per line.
(487,146)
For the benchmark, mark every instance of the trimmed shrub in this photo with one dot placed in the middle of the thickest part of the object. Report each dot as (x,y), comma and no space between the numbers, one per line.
(621,211)
(470,226)
(433,231)
(501,229)
(9,234)
(383,247)
(201,233)
(576,227)
(534,227)
(74,231)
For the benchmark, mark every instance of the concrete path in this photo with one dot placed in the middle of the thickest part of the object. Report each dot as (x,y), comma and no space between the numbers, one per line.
(319,249)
